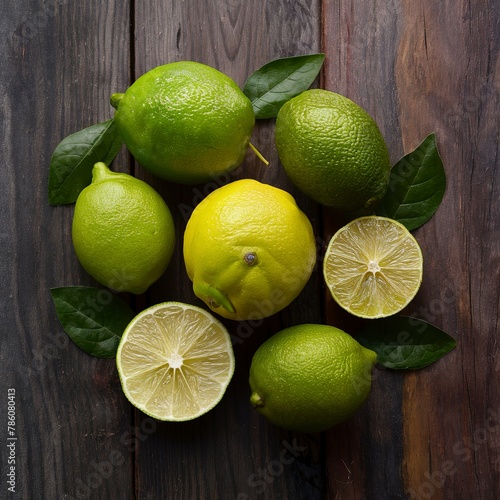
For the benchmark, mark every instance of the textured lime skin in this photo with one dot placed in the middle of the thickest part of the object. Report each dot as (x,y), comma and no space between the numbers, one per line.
(123,232)
(185,122)
(241,219)
(308,378)
(332,150)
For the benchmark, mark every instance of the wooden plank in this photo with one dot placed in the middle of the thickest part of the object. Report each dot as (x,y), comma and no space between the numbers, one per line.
(364,454)
(420,68)
(447,74)
(231,452)
(59,62)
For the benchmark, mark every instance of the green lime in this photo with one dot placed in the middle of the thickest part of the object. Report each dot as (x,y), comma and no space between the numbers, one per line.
(309,378)
(333,151)
(123,232)
(185,121)
(249,250)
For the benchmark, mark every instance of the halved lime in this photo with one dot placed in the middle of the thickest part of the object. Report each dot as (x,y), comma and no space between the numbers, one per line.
(175,361)
(373,267)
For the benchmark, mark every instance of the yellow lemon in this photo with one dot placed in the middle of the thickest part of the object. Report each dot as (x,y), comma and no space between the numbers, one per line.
(249,250)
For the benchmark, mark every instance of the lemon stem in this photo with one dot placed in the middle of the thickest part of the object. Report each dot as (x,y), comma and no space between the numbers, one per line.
(256,400)
(115,100)
(215,296)
(100,172)
(257,152)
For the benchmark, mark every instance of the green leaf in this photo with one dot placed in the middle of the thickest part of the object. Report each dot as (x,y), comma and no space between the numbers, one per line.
(278,81)
(405,342)
(416,186)
(74,157)
(93,318)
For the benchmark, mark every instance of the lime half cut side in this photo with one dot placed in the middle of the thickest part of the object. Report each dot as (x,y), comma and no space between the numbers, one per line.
(373,267)
(175,361)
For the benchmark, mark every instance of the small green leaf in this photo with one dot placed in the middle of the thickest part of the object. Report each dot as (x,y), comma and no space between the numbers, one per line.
(416,186)
(93,318)
(278,81)
(405,342)
(73,159)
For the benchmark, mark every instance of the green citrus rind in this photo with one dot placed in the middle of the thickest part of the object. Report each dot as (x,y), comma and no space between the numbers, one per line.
(185,122)
(333,151)
(308,378)
(123,232)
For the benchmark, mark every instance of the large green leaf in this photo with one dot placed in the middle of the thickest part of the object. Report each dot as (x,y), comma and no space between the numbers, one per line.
(416,186)
(93,318)
(74,157)
(405,342)
(278,81)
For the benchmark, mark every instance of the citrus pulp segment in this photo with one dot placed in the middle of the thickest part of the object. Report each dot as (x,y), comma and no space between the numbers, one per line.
(373,267)
(175,361)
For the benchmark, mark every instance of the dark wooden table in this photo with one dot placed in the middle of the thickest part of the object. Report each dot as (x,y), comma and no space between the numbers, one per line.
(417,67)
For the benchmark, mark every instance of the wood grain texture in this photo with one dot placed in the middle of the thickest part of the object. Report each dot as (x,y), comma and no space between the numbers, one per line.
(420,68)
(448,81)
(360,40)
(417,68)
(58,61)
